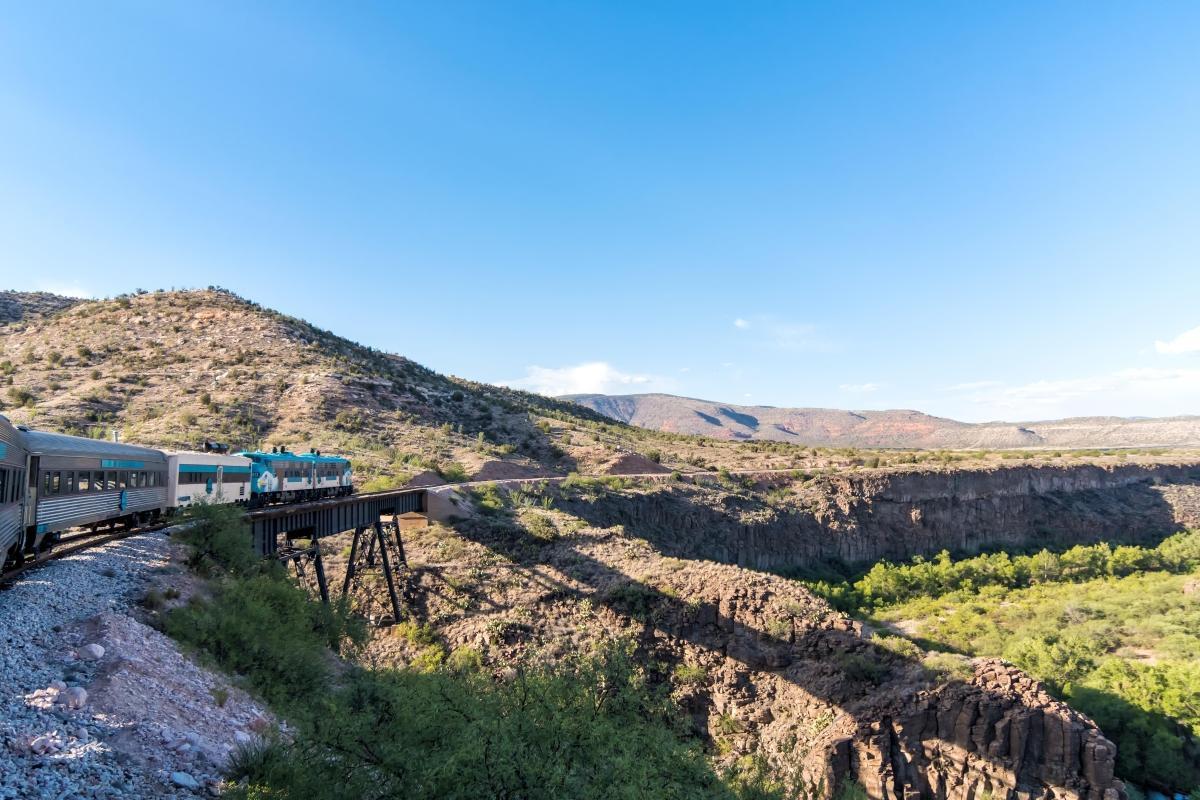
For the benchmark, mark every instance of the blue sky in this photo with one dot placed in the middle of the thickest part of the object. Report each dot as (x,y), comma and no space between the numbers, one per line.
(980,210)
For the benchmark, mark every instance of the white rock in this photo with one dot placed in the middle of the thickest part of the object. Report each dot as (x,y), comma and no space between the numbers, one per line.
(91,652)
(43,744)
(75,697)
(184,781)
(242,738)
(58,686)
(81,733)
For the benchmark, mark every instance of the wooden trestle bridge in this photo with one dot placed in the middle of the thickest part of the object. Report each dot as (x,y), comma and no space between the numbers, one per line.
(293,534)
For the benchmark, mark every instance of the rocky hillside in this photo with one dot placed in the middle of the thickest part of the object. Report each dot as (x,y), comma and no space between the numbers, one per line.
(16,306)
(175,368)
(904,429)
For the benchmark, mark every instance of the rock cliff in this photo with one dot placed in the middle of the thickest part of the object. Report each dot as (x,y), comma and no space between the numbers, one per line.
(802,685)
(895,514)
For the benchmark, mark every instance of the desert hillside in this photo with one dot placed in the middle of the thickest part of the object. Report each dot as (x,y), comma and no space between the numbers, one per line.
(172,369)
(828,427)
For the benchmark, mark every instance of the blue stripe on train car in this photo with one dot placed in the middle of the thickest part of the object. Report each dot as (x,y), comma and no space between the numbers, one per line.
(213,468)
(112,463)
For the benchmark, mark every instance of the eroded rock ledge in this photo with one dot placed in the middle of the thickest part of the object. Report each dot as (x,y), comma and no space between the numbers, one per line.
(896,514)
(1000,736)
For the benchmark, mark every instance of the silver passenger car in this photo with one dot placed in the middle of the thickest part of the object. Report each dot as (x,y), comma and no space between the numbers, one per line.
(84,482)
(12,490)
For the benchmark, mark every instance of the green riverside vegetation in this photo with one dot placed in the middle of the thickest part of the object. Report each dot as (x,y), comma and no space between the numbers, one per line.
(591,725)
(1114,631)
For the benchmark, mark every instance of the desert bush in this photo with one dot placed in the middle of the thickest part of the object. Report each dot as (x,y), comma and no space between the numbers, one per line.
(541,527)
(588,727)
(453,472)
(20,396)
(689,674)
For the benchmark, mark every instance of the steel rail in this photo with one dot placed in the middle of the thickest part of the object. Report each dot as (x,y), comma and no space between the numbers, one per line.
(76,543)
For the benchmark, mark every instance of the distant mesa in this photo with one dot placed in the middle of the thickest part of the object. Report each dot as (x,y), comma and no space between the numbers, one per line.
(903,428)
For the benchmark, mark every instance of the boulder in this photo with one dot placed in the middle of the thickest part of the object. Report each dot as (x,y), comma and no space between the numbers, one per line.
(75,697)
(185,781)
(91,652)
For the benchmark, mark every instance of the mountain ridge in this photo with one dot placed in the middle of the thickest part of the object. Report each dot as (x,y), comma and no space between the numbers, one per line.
(897,428)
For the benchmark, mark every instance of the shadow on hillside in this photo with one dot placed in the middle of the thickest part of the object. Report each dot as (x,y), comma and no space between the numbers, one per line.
(824,657)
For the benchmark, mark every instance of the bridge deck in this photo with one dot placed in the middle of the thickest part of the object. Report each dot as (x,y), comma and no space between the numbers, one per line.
(321,518)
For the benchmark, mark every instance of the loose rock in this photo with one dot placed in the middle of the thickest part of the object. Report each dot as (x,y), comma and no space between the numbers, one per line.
(184,781)
(91,652)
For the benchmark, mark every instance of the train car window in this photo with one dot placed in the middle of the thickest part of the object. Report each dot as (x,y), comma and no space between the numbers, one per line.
(69,483)
(4,486)
(45,483)
(55,482)
(110,481)
(85,482)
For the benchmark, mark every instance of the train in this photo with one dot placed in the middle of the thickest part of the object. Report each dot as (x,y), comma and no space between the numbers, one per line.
(53,482)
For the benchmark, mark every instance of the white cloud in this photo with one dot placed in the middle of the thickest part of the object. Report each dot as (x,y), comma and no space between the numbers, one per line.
(859,388)
(780,334)
(65,289)
(593,377)
(1143,391)
(1186,342)
(972,386)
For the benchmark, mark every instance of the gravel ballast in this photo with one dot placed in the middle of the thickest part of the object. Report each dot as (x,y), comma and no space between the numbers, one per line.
(96,704)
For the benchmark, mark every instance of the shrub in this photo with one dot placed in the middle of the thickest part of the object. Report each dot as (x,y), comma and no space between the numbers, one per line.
(453,472)
(858,667)
(349,421)
(218,540)
(541,527)
(689,674)
(948,666)
(587,727)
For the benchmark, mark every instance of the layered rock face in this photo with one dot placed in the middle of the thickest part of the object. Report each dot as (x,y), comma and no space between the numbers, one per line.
(1000,736)
(795,687)
(870,516)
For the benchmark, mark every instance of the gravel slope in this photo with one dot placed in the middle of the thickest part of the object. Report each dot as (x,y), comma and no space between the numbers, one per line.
(147,723)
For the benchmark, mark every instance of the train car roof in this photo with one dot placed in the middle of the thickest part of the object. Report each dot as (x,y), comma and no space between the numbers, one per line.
(43,443)
(196,455)
(293,456)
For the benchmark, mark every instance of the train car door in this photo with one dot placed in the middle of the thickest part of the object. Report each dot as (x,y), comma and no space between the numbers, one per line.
(31,498)
(31,494)
(220,481)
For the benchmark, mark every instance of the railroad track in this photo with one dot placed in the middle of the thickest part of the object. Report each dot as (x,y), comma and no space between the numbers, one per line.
(76,543)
